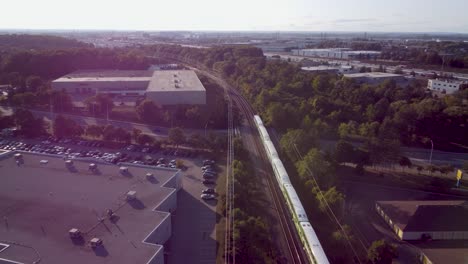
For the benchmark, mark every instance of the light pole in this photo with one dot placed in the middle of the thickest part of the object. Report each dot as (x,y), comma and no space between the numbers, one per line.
(432,148)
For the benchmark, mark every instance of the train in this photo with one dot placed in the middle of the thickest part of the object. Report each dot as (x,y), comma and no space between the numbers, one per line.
(304,228)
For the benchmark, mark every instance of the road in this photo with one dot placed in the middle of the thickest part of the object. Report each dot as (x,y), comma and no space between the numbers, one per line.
(157,131)
(418,155)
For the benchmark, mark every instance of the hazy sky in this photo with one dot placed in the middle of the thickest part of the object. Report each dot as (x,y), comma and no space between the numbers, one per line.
(276,15)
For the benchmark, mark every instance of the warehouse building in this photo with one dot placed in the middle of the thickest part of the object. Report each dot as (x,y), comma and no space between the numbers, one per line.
(445,86)
(59,211)
(337,53)
(330,69)
(375,78)
(438,228)
(169,87)
(414,220)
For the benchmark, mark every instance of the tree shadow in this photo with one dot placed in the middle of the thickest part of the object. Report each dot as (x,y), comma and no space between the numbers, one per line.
(72,169)
(136,204)
(101,251)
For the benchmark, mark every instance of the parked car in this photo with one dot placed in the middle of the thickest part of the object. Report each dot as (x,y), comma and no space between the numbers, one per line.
(208,181)
(209,191)
(208,196)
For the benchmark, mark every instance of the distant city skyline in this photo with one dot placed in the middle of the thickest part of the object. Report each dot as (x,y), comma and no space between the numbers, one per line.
(240,15)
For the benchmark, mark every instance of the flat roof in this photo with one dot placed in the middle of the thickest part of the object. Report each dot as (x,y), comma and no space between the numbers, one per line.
(445,251)
(176,80)
(372,75)
(428,215)
(40,203)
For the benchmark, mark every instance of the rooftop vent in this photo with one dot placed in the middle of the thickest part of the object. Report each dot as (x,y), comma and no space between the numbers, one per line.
(43,161)
(131,195)
(149,175)
(68,162)
(74,233)
(18,156)
(92,166)
(123,169)
(95,242)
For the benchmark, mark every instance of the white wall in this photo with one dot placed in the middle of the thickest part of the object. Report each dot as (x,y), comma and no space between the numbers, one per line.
(162,232)
(448,87)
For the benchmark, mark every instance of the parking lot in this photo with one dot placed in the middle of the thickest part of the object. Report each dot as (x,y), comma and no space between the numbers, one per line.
(194,236)
(72,148)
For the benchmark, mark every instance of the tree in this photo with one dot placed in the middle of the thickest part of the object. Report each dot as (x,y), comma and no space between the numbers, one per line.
(136,133)
(176,136)
(381,252)
(33,82)
(405,162)
(27,124)
(315,163)
(144,139)
(65,127)
(100,104)
(344,152)
(94,130)
(180,163)
(331,198)
(109,133)
(297,138)
(149,112)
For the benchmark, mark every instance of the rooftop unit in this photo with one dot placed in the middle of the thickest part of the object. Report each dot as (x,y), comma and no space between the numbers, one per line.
(123,169)
(68,162)
(74,233)
(131,195)
(18,156)
(149,175)
(44,162)
(95,242)
(92,166)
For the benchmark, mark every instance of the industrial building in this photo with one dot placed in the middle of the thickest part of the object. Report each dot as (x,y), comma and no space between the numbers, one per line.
(444,85)
(337,53)
(168,87)
(60,211)
(375,78)
(439,228)
(330,69)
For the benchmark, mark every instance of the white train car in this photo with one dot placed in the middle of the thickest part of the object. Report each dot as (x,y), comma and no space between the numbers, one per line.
(307,234)
(264,133)
(295,203)
(258,120)
(312,244)
(271,150)
(280,172)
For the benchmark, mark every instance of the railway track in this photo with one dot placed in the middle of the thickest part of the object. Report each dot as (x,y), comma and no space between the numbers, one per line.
(293,243)
(294,246)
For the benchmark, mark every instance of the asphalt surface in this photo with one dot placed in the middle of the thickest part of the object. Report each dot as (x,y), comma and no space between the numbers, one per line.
(418,155)
(193,234)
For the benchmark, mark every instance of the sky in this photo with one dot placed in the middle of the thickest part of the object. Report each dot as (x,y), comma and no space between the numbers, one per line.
(242,15)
